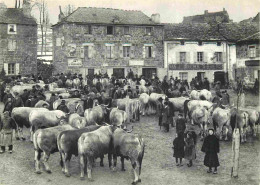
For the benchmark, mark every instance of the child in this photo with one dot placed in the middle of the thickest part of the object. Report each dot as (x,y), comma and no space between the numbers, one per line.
(6,126)
(178,148)
(190,151)
(211,148)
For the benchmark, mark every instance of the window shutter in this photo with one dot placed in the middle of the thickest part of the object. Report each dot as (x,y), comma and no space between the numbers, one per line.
(82,52)
(17,68)
(132,51)
(153,51)
(205,57)
(6,68)
(187,57)
(147,52)
(112,51)
(144,52)
(9,45)
(224,57)
(14,45)
(121,51)
(91,51)
(195,57)
(177,57)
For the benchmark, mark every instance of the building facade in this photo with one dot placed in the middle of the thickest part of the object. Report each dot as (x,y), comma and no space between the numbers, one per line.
(248,57)
(112,41)
(18,38)
(189,54)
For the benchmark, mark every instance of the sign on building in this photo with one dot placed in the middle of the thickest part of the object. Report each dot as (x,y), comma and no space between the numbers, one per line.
(136,62)
(74,62)
(196,66)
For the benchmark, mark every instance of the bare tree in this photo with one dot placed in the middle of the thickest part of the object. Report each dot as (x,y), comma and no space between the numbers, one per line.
(69,9)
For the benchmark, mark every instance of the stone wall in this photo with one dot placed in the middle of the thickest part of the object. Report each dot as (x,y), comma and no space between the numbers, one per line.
(76,34)
(26,48)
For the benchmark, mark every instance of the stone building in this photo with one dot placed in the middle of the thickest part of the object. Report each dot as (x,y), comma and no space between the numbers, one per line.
(198,51)
(93,40)
(207,17)
(18,38)
(248,57)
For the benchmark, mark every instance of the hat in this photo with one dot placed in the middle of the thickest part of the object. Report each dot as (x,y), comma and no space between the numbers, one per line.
(63,101)
(211,128)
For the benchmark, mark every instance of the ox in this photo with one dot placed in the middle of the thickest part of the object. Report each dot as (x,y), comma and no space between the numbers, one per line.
(117,117)
(129,146)
(45,119)
(41,104)
(153,102)
(75,105)
(177,104)
(67,142)
(144,99)
(201,95)
(221,118)
(45,140)
(92,145)
(97,114)
(21,117)
(241,118)
(200,116)
(75,119)
(190,105)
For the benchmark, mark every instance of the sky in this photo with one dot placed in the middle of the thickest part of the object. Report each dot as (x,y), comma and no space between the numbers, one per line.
(171,11)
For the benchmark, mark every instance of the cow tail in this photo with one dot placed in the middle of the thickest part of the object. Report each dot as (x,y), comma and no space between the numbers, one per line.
(141,154)
(35,141)
(58,141)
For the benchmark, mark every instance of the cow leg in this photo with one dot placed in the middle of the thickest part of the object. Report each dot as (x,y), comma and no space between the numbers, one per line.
(102,161)
(205,129)
(20,130)
(110,160)
(226,133)
(62,161)
(114,162)
(31,134)
(37,157)
(82,166)
(45,162)
(242,135)
(138,114)
(134,165)
(66,164)
(254,129)
(122,163)
(89,168)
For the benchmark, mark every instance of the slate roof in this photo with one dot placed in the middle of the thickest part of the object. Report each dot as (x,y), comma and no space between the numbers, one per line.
(254,37)
(107,16)
(15,16)
(224,31)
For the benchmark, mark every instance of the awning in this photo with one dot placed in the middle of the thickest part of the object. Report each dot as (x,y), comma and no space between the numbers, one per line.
(252,62)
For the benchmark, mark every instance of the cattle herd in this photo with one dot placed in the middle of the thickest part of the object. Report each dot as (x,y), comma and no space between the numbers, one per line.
(91,132)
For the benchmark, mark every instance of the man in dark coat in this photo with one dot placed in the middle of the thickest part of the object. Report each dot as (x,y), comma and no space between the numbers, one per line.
(180,124)
(160,111)
(206,84)
(178,148)
(34,100)
(88,102)
(18,102)
(63,107)
(25,95)
(9,106)
(211,148)
(166,116)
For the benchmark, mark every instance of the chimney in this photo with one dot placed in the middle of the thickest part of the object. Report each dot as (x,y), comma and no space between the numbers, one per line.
(206,12)
(61,15)
(156,18)
(224,10)
(27,8)
(3,7)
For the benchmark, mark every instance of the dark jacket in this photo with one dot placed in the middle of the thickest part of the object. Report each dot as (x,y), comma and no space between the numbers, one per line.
(178,147)
(88,103)
(63,108)
(180,125)
(211,148)
(189,152)
(8,107)
(18,102)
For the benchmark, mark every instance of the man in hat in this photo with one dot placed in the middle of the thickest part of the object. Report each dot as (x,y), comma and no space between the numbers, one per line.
(18,102)
(211,148)
(160,111)
(225,100)
(206,83)
(9,105)
(7,95)
(76,94)
(63,107)
(53,98)
(180,124)
(88,102)
(25,95)
(166,116)
(34,100)
(28,101)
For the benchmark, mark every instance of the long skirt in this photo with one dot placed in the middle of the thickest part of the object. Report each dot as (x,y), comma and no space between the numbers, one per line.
(211,160)
(6,139)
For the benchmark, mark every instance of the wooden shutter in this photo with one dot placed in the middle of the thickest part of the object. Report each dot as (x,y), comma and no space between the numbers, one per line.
(82,52)
(177,55)
(121,51)
(112,51)
(6,68)
(9,45)
(224,55)
(205,57)
(187,57)
(132,51)
(147,52)
(195,57)
(153,52)
(17,68)
(144,52)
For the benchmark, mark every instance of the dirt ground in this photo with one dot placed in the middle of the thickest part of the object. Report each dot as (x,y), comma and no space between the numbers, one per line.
(158,164)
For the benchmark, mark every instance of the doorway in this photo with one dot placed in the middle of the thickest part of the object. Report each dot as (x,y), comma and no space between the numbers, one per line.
(219,76)
(119,72)
(200,75)
(91,73)
(149,72)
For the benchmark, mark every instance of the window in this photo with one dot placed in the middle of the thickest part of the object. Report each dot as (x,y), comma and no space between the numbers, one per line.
(148,51)
(182,42)
(109,50)
(110,30)
(200,43)
(11,45)
(126,51)
(218,56)
(218,43)
(11,69)
(88,30)
(252,51)
(148,30)
(183,76)
(11,29)
(126,30)
(58,41)
(86,52)
(199,56)
(182,56)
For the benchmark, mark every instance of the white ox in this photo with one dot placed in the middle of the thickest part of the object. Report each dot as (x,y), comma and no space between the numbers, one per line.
(201,95)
